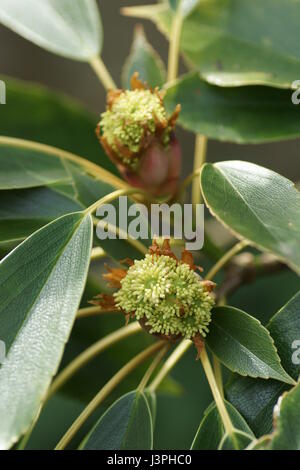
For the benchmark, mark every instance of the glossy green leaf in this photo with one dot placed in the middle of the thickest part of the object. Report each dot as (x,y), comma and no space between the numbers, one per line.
(235,441)
(126,425)
(41,283)
(71,28)
(27,168)
(256,204)
(35,113)
(287,418)
(211,429)
(144,60)
(243,345)
(255,399)
(253,114)
(237,42)
(24,211)
(285,330)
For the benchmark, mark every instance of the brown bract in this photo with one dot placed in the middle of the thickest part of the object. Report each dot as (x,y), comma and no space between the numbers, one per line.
(115,276)
(198,341)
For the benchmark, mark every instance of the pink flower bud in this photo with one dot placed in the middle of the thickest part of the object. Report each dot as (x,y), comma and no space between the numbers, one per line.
(159,169)
(138,136)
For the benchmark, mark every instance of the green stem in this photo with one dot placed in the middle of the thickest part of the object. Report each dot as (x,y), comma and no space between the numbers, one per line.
(102,73)
(170,363)
(111,197)
(92,311)
(152,367)
(91,353)
(218,375)
(188,180)
(199,160)
(105,391)
(95,170)
(138,245)
(216,363)
(229,428)
(175,36)
(97,253)
(121,192)
(226,258)
(23,443)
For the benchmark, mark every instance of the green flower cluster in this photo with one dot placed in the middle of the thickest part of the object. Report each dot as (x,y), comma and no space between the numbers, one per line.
(169,295)
(132,116)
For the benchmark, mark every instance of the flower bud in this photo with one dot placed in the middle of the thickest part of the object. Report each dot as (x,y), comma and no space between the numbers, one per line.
(138,136)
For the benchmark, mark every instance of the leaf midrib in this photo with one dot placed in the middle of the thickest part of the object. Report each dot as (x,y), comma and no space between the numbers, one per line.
(134,407)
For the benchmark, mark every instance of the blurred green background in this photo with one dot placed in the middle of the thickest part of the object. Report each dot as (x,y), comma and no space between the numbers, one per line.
(180,412)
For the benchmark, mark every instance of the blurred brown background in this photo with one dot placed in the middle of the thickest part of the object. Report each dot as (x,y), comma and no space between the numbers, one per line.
(21,59)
